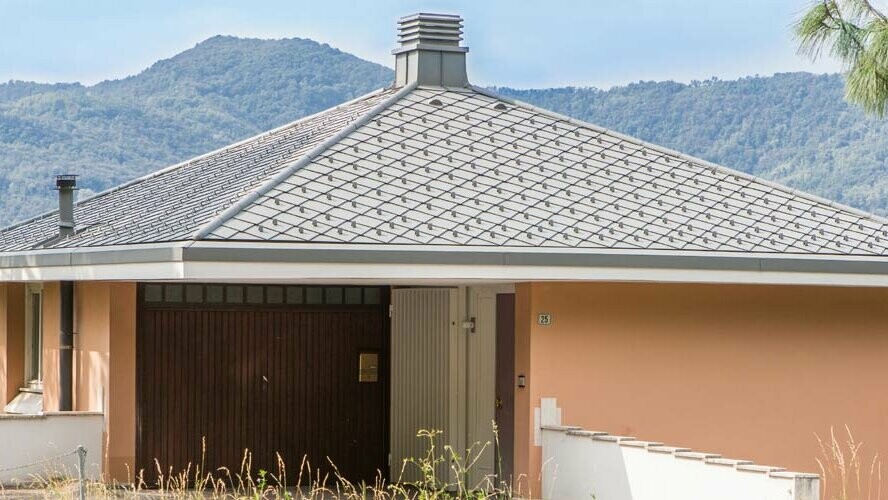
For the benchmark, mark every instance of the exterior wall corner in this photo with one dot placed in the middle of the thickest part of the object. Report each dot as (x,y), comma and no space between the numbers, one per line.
(526,476)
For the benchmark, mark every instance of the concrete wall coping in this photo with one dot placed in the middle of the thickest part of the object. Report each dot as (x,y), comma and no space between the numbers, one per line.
(681,453)
(48,414)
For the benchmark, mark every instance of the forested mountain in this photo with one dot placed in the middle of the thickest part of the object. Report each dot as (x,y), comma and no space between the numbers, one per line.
(792,128)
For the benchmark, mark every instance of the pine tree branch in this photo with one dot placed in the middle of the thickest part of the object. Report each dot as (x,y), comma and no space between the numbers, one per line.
(874,11)
(842,25)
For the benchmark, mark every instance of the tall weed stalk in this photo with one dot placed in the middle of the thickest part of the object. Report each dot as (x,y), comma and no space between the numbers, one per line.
(845,474)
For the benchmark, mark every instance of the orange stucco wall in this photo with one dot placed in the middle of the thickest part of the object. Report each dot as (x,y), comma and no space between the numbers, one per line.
(750,372)
(104,362)
(121,414)
(51,346)
(12,340)
(92,304)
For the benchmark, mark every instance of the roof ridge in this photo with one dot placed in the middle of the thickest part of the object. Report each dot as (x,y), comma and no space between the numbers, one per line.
(287,171)
(662,149)
(175,166)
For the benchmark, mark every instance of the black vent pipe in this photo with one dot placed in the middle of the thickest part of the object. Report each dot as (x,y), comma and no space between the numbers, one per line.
(66,344)
(66,184)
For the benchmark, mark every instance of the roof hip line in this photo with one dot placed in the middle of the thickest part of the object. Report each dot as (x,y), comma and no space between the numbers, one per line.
(286,172)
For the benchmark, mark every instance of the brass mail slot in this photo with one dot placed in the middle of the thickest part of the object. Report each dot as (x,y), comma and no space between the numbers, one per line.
(368,367)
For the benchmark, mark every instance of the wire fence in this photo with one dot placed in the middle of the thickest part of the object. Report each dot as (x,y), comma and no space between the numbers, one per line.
(80,451)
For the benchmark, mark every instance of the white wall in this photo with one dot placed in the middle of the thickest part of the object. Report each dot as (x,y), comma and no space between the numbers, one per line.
(578,464)
(29,439)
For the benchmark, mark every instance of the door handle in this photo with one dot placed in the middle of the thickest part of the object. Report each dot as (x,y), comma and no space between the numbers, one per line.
(498,404)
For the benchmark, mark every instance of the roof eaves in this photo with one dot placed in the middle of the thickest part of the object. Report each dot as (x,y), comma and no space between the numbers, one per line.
(74,256)
(664,150)
(288,171)
(532,259)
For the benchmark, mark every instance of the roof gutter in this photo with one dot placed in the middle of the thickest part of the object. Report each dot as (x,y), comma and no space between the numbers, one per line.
(212,261)
(704,261)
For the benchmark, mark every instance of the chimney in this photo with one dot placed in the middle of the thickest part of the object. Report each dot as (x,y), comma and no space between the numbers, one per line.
(66,185)
(430,53)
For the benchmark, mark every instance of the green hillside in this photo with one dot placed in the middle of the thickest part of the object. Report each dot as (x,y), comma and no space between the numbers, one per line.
(793,128)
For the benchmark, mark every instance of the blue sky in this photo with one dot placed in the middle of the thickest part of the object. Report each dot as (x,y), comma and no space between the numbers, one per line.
(521,44)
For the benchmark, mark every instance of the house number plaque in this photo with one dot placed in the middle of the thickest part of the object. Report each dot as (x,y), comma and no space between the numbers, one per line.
(368,367)
(544,319)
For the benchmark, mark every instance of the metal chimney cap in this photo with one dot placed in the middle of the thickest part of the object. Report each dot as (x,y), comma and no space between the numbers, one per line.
(66,181)
(443,31)
(430,52)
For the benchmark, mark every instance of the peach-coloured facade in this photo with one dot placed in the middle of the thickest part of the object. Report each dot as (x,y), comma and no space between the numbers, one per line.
(745,371)
(121,414)
(51,346)
(104,358)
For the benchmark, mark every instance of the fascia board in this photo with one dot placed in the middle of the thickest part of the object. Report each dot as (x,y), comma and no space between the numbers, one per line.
(218,260)
(147,271)
(435,274)
(496,256)
(114,263)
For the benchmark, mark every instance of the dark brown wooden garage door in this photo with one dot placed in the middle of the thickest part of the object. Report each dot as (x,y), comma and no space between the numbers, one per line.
(269,369)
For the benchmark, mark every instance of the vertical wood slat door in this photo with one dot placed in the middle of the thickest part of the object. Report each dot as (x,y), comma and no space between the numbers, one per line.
(423,371)
(277,381)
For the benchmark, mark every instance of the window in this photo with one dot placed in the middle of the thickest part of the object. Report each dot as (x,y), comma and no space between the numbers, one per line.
(294,295)
(352,295)
(255,295)
(173,293)
(274,295)
(215,294)
(153,293)
(234,294)
(34,334)
(193,294)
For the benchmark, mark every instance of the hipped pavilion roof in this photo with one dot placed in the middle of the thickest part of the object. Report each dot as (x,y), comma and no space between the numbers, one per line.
(438,166)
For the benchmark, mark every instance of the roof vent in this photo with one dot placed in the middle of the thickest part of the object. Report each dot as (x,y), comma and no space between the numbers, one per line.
(66,185)
(430,53)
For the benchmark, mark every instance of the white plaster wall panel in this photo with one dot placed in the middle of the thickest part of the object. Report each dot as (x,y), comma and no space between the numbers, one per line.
(580,464)
(37,441)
